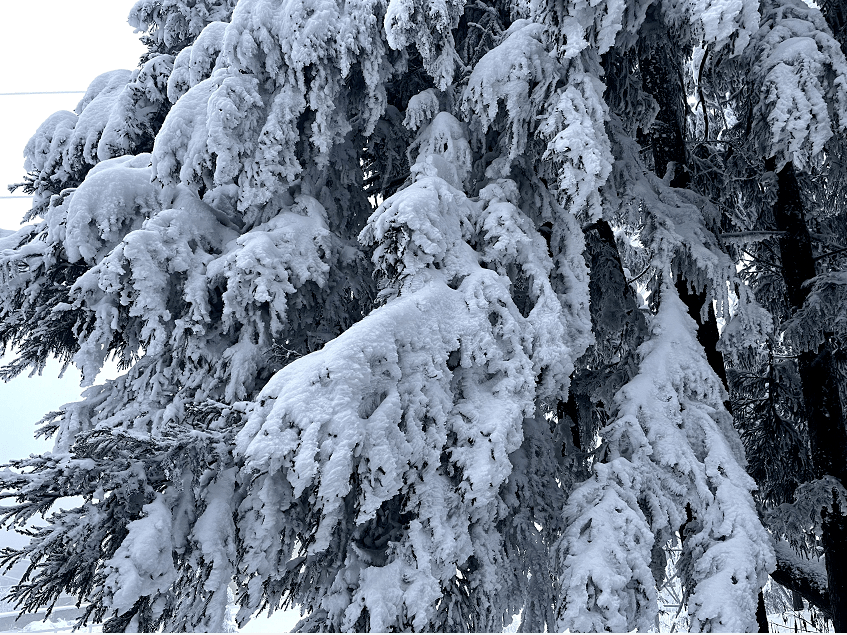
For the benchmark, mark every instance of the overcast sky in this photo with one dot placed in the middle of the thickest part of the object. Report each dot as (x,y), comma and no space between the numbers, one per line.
(55,45)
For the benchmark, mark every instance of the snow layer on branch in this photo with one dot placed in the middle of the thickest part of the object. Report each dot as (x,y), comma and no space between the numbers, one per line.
(159,286)
(196,62)
(94,111)
(116,197)
(378,420)
(19,255)
(320,441)
(801,522)
(581,24)
(411,413)
(671,444)
(442,149)
(599,24)
(284,64)
(822,314)
(606,554)
(214,534)
(801,83)
(750,327)
(44,157)
(577,142)
(678,235)
(180,152)
(143,564)
(570,281)
(107,82)
(421,109)
(520,74)
(814,570)
(176,242)
(429,25)
(172,24)
(119,114)
(513,247)
(45,149)
(270,262)
(136,114)
(717,23)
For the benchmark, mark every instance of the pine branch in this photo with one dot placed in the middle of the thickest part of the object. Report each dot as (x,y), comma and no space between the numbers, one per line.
(753,235)
(792,575)
(831,253)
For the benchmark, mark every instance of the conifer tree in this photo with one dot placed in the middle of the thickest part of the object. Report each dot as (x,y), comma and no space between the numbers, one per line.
(406,298)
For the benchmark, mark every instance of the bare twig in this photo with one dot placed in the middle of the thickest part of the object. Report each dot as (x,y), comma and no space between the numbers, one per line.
(646,269)
(702,95)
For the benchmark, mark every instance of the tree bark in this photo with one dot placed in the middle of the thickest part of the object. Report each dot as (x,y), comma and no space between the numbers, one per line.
(829,444)
(818,376)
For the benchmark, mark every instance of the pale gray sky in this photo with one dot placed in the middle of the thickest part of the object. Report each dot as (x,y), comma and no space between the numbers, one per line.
(53,45)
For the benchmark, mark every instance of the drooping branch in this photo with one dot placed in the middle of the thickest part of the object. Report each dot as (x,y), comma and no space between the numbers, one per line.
(802,577)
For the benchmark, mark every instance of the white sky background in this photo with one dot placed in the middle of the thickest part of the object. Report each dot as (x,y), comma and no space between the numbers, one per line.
(55,45)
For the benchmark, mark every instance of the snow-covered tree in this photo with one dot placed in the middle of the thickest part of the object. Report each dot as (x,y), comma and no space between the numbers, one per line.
(784,132)
(668,457)
(416,304)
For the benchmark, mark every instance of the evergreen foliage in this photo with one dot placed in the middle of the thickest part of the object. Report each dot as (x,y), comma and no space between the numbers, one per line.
(416,305)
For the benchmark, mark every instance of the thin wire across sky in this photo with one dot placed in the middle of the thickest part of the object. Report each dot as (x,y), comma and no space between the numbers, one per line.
(45,92)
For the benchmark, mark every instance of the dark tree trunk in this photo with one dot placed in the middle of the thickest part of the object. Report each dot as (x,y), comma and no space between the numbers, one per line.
(835,13)
(661,76)
(818,375)
(829,455)
(615,319)
(829,440)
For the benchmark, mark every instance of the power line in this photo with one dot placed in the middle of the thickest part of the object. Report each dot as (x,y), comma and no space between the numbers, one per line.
(46,92)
